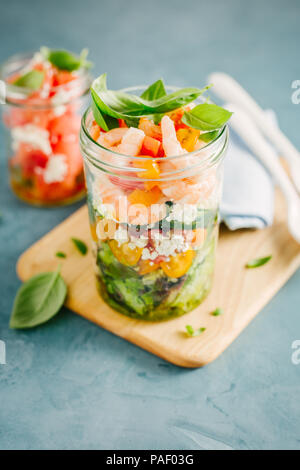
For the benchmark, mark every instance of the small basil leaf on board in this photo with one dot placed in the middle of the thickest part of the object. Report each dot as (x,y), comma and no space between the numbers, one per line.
(256,263)
(80,245)
(103,120)
(38,300)
(154,91)
(208,136)
(191,332)
(217,312)
(206,117)
(65,60)
(60,254)
(32,80)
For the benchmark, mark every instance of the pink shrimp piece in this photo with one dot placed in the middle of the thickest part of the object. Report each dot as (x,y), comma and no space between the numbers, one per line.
(131,142)
(170,142)
(112,137)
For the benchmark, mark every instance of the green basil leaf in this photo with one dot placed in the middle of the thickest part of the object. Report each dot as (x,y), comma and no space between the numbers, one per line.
(65,60)
(32,80)
(103,120)
(125,106)
(154,91)
(191,332)
(80,245)
(38,300)
(217,312)
(256,263)
(206,117)
(60,254)
(208,136)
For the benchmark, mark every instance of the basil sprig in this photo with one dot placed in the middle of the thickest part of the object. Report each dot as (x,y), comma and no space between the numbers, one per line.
(38,300)
(206,117)
(32,80)
(65,60)
(121,105)
(154,91)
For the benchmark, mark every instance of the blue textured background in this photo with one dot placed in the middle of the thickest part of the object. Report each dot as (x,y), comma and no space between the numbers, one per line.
(70,384)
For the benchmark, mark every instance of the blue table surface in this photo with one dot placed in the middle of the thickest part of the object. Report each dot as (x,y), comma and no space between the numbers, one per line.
(70,384)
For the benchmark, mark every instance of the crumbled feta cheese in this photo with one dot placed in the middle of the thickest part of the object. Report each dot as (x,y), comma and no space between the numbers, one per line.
(62,97)
(59,110)
(56,169)
(121,235)
(33,135)
(166,247)
(138,242)
(185,213)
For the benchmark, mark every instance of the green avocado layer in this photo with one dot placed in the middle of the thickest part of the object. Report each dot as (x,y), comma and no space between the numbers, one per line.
(154,296)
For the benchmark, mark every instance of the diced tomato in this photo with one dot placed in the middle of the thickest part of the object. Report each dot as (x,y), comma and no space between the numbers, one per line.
(176,116)
(146,266)
(150,129)
(64,125)
(150,146)
(125,254)
(122,123)
(151,168)
(147,198)
(61,77)
(73,156)
(178,264)
(188,138)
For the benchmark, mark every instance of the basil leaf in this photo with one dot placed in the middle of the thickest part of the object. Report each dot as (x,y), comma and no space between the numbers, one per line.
(191,332)
(256,263)
(32,80)
(80,245)
(217,312)
(60,254)
(154,91)
(125,106)
(103,120)
(65,60)
(38,300)
(206,117)
(208,136)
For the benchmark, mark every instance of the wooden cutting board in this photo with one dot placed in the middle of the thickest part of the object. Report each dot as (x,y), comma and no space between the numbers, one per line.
(240,292)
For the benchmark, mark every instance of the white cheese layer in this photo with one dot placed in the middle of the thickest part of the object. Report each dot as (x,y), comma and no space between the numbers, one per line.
(56,169)
(33,135)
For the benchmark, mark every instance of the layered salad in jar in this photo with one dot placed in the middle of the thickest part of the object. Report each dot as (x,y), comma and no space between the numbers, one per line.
(153,165)
(44,103)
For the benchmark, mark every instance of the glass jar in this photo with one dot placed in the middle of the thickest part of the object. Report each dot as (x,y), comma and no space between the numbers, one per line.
(42,135)
(154,238)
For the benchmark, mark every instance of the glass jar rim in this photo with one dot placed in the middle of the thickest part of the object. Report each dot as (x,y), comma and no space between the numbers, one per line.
(204,163)
(15,94)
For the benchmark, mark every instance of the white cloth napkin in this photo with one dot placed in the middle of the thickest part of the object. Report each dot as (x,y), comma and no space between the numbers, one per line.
(248,191)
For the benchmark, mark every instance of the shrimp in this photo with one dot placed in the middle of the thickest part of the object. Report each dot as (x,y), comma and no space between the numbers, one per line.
(170,142)
(112,137)
(131,142)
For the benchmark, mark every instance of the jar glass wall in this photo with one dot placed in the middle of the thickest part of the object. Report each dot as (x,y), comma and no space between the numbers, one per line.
(42,136)
(154,238)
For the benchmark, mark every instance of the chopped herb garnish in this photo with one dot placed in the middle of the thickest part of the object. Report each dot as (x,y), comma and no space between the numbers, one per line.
(80,245)
(191,332)
(60,254)
(217,312)
(256,263)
